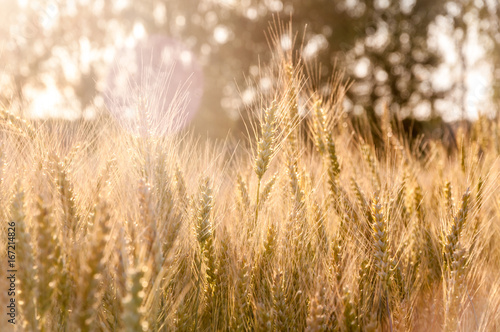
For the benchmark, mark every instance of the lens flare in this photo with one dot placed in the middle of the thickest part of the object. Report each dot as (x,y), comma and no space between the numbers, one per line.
(154,88)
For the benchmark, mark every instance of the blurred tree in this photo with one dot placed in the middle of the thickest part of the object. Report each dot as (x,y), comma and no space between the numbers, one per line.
(474,21)
(398,58)
(486,13)
(53,42)
(382,45)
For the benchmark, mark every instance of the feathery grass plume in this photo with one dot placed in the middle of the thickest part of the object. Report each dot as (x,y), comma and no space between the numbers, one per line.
(26,283)
(133,315)
(89,284)
(317,320)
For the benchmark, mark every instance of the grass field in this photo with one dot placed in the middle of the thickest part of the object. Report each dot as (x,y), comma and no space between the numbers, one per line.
(308,225)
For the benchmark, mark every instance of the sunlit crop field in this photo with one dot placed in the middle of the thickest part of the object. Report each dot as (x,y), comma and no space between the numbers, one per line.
(319,221)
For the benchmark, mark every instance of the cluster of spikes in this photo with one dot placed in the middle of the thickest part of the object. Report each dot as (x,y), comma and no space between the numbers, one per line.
(319,223)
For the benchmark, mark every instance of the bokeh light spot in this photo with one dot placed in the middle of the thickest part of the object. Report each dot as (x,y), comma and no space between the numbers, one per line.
(155,87)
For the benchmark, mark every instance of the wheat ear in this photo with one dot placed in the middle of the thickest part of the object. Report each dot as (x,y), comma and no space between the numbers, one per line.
(265,150)
(25,271)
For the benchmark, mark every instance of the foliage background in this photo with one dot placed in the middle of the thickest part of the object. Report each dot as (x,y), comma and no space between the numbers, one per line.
(395,51)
